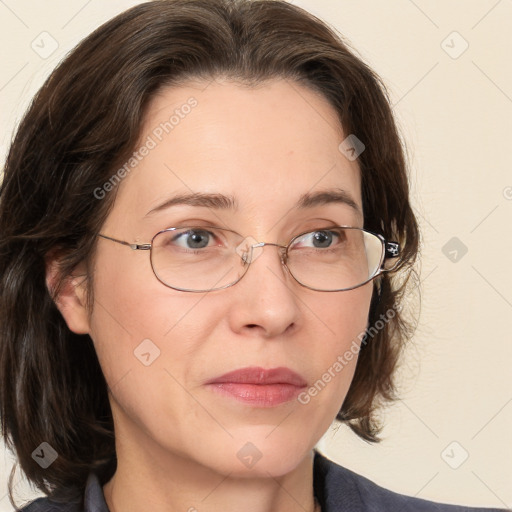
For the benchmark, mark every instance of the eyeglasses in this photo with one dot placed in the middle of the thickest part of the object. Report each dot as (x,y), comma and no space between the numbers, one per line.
(208,258)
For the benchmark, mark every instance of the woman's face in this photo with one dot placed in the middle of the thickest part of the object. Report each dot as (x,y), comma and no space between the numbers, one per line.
(265,147)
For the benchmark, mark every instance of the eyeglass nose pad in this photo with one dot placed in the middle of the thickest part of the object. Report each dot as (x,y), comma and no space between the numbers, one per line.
(249,249)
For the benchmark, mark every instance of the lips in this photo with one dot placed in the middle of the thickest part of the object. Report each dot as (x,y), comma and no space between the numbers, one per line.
(257,375)
(259,387)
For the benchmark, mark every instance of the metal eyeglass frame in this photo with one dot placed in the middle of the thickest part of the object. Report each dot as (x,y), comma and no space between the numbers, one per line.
(390,250)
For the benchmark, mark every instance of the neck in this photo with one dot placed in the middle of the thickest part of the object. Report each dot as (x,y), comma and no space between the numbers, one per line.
(148,477)
(196,490)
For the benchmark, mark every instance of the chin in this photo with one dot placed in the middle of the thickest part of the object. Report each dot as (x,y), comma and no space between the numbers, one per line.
(262,452)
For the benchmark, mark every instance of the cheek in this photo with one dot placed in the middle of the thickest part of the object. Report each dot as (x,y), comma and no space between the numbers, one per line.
(344,318)
(138,324)
(148,338)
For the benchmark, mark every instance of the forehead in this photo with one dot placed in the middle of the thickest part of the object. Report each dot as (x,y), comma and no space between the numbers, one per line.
(266,146)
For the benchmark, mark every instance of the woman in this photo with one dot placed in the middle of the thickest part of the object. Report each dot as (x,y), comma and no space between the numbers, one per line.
(205,240)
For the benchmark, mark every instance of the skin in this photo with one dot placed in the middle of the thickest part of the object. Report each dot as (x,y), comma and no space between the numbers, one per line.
(176,439)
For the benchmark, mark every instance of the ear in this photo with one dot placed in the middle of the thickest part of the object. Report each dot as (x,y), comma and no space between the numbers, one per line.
(71,299)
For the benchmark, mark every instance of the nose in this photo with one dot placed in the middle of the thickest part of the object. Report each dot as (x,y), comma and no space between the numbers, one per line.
(265,300)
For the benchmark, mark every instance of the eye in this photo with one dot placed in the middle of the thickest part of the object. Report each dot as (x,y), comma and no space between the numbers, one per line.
(193,238)
(321,239)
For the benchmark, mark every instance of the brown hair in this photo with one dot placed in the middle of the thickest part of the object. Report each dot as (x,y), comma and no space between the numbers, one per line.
(82,123)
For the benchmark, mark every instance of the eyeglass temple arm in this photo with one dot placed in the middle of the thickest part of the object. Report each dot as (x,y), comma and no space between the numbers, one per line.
(392,249)
(135,247)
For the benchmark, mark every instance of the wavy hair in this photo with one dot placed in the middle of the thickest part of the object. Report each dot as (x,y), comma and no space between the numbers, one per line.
(86,120)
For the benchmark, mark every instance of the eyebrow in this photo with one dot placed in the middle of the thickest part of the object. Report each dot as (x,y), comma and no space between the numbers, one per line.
(225,202)
(318,198)
(215,201)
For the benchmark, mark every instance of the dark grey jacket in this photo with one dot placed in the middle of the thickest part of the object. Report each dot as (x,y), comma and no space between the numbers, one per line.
(337,489)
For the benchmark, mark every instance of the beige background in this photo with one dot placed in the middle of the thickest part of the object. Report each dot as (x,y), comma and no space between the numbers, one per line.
(455,109)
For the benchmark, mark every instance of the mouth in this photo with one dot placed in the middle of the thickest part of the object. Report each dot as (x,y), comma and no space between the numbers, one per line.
(259,387)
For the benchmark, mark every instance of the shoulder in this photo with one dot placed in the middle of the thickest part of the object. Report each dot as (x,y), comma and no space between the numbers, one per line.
(92,500)
(339,489)
(47,505)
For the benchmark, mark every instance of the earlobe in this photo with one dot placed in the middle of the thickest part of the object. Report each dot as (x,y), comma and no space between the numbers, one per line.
(71,298)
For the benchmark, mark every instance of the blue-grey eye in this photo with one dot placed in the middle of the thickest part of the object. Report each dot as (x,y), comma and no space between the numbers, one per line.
(322,238)
(193,239)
